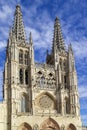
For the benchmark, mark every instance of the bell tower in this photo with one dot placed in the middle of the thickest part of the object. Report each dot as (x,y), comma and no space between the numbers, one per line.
(65,72)
(18,70)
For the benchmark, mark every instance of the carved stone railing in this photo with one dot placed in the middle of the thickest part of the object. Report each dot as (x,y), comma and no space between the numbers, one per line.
(44,65)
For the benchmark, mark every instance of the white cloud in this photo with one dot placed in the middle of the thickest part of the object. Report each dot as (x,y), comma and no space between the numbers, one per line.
(83,91)
(84,118)
(2,44)
(5,11)
(1,79)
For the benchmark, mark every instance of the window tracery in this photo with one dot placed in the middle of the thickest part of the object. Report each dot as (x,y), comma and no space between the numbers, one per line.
(45,101)
(45,80)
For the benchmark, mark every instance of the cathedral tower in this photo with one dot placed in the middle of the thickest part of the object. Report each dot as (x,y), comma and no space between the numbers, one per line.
(39,96)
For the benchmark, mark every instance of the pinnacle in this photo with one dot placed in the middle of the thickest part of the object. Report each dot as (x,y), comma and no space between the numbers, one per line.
(30,38)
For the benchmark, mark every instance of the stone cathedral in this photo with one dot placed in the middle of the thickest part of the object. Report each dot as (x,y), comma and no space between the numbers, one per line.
(39,96)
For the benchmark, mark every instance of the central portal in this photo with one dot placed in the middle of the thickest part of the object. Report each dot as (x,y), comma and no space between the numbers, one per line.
(49,124)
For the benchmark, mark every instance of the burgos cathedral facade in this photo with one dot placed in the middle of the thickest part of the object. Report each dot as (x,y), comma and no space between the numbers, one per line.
(39,96)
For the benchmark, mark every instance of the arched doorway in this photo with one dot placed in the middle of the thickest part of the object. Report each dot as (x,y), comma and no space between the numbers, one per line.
(71,127)
(24,126)
(49,124)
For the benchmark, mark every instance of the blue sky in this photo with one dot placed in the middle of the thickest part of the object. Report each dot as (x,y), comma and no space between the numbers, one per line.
(39,18)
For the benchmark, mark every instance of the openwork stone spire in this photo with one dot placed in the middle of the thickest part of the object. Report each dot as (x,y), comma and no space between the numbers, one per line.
(58,38)
(18,25)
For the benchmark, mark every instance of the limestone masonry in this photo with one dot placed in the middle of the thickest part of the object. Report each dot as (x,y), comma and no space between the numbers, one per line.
(39,96)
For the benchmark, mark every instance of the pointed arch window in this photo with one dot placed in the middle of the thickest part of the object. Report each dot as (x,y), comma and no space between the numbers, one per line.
(26,77)
(67,106)
(21,76)
(23,103)
(21,57)
(26,58)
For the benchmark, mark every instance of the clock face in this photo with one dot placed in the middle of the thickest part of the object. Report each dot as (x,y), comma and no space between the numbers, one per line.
(45,102)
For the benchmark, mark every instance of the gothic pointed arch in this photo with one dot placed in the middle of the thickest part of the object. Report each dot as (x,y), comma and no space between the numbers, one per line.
(71,127)
(67,105)
(49,124)
(24,103)
(24,126)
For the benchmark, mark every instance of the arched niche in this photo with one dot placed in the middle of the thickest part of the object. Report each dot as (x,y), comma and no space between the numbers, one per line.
(71,127)
(49,124)
(24,126)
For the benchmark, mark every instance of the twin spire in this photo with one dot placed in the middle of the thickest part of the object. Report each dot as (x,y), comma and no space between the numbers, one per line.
(19,33)
(58,38)
(18,25)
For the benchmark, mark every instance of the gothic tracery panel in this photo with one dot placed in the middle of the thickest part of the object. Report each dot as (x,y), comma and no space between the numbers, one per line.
(45,80)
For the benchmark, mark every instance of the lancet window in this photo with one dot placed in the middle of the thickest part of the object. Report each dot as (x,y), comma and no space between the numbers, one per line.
(23,104)
(26,58)
(21,57)
(65,81)
(26,77)
(21,76)
(67,106)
